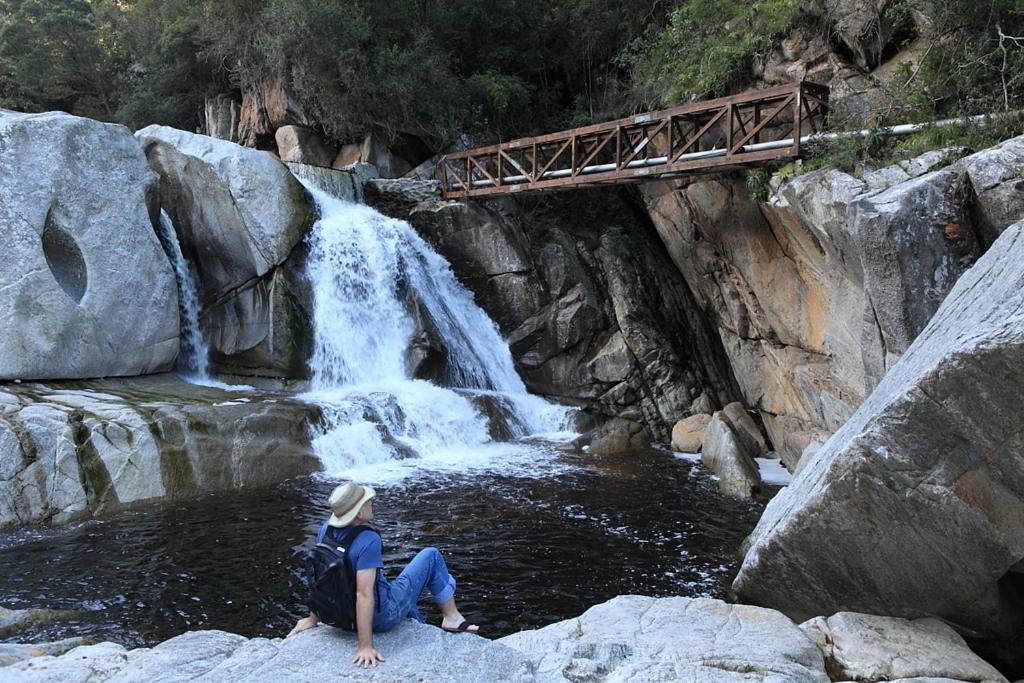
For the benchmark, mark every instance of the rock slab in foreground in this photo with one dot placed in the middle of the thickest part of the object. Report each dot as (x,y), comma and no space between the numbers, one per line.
(85,289)
(914,506)
(635,638)
(863,647)
(414,652)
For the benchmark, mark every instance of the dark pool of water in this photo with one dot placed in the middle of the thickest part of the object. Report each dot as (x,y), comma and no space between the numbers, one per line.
(526,551)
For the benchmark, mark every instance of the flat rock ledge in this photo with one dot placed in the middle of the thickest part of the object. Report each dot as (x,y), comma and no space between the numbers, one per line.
(629,638)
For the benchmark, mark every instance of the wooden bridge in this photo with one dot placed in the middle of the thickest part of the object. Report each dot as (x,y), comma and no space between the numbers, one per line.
(743,130)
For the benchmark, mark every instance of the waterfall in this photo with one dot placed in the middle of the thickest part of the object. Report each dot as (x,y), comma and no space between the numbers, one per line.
(376,286)
(193,357)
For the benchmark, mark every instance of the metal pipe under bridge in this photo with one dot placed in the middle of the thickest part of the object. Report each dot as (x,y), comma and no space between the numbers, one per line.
(743,130)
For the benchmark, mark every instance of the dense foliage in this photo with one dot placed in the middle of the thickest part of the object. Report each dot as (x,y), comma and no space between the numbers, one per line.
(492,68)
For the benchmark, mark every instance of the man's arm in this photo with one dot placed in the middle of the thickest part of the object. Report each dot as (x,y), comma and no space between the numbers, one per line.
(366,655)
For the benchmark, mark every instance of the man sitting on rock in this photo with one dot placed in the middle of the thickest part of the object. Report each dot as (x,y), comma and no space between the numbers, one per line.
(380,604)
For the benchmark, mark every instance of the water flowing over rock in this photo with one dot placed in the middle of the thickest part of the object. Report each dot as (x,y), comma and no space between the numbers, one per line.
(72,450)
(193,358)
(239,215)
(85,290)
(816,293)
(913,507)
(387,309)
(597,317)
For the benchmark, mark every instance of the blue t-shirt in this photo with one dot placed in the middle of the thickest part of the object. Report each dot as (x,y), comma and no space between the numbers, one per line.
(365,552)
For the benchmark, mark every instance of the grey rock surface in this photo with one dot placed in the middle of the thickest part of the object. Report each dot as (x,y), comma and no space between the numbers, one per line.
(912,508)
(414,652)
(239,215)
(864,647)
(635,638)
(725,454)
(85,289)
(73,450)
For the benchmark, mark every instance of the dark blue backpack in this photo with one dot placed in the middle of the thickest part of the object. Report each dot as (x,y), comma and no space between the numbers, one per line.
(332,580)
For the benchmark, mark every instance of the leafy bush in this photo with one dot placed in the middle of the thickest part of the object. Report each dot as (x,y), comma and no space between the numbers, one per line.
(709,47)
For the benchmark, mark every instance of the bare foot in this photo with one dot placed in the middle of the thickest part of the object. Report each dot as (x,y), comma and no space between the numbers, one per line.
(303,624)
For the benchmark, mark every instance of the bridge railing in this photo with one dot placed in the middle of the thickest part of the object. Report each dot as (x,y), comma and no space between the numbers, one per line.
(746,129)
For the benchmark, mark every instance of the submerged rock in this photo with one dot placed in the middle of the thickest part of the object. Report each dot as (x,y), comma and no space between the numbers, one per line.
(69,451)
(14,620)
(85,289)
(239,215)
(635,638)
(913,507)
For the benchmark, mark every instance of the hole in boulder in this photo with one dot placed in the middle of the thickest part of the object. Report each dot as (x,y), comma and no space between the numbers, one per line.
(64,258)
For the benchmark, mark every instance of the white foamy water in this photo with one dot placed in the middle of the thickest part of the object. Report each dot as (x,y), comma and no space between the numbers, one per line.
(373,278)
(193,359)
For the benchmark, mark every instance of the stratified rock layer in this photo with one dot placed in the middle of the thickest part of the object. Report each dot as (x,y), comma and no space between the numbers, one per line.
(914,506)
(73,450)
(239,215)
(85,289)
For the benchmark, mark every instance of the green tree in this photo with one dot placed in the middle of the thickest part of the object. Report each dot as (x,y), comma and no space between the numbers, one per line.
(61,54)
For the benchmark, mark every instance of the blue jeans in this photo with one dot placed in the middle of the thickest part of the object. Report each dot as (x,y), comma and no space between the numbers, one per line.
(398,598)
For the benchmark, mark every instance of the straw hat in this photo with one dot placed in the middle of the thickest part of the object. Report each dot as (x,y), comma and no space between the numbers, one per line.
(346,501)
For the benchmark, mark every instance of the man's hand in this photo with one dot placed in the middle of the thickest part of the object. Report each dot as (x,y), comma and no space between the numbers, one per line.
(367,657)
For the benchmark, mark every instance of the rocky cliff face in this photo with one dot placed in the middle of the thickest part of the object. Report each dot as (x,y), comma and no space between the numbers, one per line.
(594,312)
(816,293)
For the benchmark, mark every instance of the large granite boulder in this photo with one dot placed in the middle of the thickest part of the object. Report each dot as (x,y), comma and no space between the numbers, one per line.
(240,217)
(635,638)
(914,507)
(413,652)
(72,450)
(85,289)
